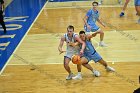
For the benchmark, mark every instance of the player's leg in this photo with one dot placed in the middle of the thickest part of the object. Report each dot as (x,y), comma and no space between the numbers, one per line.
(101,43)
(84,62)
(104,63)
(97,58)
(100,2)
(78,76)
(124,8)
(67,68)
(2,21)
(137,7)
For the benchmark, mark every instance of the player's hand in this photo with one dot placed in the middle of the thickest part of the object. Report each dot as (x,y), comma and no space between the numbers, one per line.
(88,27)
(62,51)
(71,44)
(103,25)
(81,52)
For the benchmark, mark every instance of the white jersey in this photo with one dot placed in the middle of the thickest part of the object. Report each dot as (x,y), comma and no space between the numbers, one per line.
(70,51)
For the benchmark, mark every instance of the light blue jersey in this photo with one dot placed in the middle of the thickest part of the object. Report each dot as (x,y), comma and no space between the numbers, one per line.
(137,2)
(89,48)
(90,52)
(92,18)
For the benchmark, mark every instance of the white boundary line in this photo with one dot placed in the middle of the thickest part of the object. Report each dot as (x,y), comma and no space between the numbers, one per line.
(23,38)
(61,63)
(34,64)
(77,32)
(81,6)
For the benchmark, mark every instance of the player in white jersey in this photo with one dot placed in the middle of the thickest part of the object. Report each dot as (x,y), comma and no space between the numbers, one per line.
(70,38)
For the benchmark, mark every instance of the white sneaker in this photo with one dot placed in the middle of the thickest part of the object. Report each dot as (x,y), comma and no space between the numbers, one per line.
(96,73)
(70,76)
(100,2)
(120,2)
(102,44)
(108,68)
(77,77)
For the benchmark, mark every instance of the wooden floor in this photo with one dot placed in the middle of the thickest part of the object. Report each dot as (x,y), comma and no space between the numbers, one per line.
(37,67)
(50,78)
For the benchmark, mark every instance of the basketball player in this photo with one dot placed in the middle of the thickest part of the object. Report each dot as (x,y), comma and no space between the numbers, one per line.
(90,23)
(124,8)
(1,15)
(101,1)
(91,54)
(137,7)
(70,37)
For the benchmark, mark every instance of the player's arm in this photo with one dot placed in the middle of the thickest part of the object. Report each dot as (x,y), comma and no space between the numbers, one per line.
(61,44)
(89,36)
(101,22)
(74,44)
(86,18)
(81,42)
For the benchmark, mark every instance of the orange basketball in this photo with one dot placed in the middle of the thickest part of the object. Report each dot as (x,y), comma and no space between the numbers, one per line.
(76,59)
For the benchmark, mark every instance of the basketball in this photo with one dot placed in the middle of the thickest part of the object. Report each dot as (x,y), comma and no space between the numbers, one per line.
(76,59)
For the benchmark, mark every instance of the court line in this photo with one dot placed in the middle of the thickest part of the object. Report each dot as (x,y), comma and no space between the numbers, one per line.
(113,62)
(23,38)
(77,32)
(79,6)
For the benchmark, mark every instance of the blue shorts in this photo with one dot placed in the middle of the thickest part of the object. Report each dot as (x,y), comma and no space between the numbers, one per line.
(93,28)
(137,2)
(95,57)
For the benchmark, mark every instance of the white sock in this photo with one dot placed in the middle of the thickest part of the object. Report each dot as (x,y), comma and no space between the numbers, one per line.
(79,73)
(101,41)
(70,73)
(123,11)
(93,70)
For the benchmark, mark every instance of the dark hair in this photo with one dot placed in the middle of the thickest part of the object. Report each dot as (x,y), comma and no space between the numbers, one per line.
(94,3)
(70,27)
(81,32)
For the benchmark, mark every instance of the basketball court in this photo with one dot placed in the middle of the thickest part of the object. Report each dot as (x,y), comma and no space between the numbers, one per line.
(35,66)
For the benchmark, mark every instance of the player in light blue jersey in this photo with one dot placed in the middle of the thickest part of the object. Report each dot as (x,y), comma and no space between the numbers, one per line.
(101,1)
(137,7)
(91,54)
(90,23)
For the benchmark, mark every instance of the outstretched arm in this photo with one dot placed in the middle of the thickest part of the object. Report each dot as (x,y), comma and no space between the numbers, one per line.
(82,42)
(61,45)
(89,36)
(101,22)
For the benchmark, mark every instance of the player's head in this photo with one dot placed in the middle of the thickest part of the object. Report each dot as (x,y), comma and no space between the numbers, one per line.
(82,35)
(70,30)
(95,4)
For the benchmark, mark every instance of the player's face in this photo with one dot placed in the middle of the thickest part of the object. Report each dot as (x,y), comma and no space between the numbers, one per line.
(70,32)
(95,6)
(83,37)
